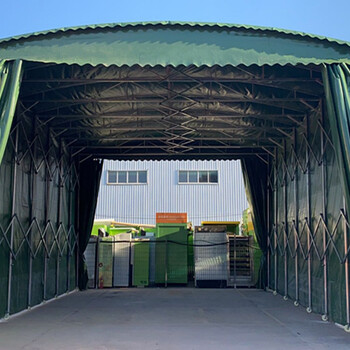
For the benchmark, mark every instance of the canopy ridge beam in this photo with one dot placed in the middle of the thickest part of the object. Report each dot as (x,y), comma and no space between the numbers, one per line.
(182,80)
(121,127)
(187,99)
(172,95)
(165,147)
(155,116)
(142,155)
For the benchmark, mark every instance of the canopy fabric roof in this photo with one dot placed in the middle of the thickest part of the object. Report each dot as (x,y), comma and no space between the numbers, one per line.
(172,90)
(174,43)
(171,112)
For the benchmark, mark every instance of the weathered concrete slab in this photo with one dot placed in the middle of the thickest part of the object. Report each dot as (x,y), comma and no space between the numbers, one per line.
(173,318)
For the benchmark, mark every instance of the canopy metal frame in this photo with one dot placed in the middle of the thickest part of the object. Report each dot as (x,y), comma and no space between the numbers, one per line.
(317,236)
(171,112)
(48,160)
(185,112)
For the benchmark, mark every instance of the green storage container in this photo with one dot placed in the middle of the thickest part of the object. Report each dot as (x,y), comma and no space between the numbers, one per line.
(140,258)
(171,257)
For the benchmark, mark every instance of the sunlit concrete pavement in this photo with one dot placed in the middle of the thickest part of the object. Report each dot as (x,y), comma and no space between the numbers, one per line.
(173,318)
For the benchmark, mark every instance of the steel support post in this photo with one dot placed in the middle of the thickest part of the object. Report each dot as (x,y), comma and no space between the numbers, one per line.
(69,221)
(268,225)
(32,205)
(296,226)
(276,222)
(324,233)
(59,214)
(47,203)
(346,266)
(309,308)
(285,233)
(78,228)
(13,212)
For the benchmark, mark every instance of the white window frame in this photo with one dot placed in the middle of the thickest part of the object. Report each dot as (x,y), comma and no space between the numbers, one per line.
(197,183)
(127,178)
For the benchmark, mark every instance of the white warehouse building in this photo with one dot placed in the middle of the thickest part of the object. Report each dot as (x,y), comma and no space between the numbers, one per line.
(134,191)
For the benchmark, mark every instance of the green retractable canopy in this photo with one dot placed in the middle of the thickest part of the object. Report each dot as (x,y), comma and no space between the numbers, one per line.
(277,99)
(172,90)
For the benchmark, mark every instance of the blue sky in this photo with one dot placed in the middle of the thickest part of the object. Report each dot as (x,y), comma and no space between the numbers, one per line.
(328,18)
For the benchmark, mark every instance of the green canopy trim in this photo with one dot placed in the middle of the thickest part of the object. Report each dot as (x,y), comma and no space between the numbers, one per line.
(337,89)
(175,44)
(10,81)
(179,23)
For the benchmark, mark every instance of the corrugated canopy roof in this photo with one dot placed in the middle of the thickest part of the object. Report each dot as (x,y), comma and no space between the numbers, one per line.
(172,90)
(174,43)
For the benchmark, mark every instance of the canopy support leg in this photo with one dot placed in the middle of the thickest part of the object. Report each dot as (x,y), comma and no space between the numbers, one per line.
(285,231)
(59,223)
(13,213)
(324,204)
(309,276)
(268,225)
(346,266)
(69,231)
(296,225)
(32,206)
(78,228)
(276,223)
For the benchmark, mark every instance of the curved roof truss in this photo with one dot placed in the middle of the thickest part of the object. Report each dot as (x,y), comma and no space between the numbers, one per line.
(157,112)
(172,90)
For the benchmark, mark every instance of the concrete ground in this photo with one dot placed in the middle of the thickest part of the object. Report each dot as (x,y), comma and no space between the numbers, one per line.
(173,318)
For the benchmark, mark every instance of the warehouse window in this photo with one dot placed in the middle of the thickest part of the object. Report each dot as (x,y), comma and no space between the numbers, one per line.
(198,177)
(126,177)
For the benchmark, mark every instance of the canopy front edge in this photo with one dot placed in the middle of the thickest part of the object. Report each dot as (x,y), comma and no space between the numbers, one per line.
(175,45)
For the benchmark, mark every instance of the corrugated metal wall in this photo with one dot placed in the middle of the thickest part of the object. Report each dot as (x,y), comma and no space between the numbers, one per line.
(139,203)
